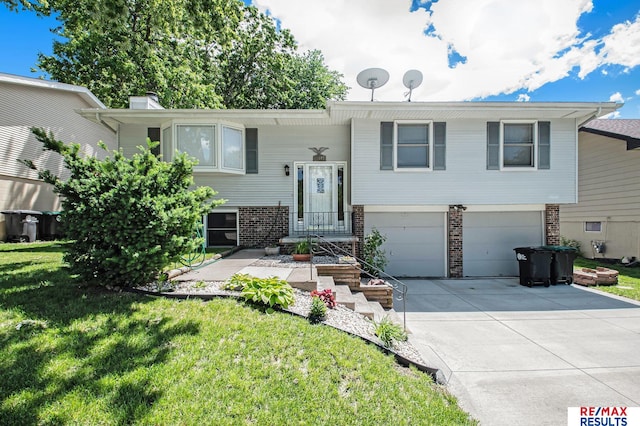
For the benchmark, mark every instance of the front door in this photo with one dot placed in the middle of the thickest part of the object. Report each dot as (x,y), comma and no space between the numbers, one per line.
(319,203)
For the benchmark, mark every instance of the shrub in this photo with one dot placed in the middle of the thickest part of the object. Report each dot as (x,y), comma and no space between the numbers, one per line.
(237,282)
(128,217)
(326,296)
(373,254)
(272,292)
(389,332)
(303,247)
(318,310)
(571,243)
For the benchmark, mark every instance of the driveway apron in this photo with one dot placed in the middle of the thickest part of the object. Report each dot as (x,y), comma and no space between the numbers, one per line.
(514,355)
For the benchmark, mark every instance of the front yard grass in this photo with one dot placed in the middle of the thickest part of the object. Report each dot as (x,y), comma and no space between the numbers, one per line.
(71,354)
(628,280)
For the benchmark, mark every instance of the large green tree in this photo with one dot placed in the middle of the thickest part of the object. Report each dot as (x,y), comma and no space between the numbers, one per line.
(192,53)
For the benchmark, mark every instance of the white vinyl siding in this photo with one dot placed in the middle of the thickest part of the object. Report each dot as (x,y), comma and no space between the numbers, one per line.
(466,179)
(24,107)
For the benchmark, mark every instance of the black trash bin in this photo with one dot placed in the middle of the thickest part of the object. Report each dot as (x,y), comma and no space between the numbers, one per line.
(535,265)
(14,222)
(562,263)
(51,227)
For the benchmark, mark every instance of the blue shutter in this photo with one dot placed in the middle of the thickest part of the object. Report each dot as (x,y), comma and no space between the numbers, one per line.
(493,145)
(386,145)
(439,146)
(251,150)
(544,144)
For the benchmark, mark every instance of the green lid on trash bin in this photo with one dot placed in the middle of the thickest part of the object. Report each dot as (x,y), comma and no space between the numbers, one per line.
(51,213)
(559,248)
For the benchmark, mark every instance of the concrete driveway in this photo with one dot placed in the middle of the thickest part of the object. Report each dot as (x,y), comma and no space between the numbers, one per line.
(514,355)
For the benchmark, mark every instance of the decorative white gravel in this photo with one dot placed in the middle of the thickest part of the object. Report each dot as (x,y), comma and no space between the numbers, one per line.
(340,317)
(286,261)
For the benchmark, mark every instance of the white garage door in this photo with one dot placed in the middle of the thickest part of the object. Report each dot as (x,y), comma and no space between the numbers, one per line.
(489,240)
(415,243)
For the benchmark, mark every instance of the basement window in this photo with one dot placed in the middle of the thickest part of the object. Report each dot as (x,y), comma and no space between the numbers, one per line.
(593,226)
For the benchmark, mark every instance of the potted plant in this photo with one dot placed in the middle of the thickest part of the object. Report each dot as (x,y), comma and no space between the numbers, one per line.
(302,252)
(272,250)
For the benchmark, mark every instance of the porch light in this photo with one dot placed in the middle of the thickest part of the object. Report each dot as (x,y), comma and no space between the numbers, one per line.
(286,170)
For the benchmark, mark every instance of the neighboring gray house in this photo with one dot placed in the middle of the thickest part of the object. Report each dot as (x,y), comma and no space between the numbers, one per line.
(454,186)
(28,102)
(606,219)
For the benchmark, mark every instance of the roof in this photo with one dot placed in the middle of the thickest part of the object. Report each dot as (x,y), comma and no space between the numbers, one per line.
(81,91)
(626,130)
(342,112)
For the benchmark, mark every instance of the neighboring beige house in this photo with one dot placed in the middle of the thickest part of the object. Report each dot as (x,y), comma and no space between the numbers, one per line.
(606,219)
(28,102)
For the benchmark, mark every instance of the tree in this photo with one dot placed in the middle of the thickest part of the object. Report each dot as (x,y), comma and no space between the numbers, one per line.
(192,53)
(128,218)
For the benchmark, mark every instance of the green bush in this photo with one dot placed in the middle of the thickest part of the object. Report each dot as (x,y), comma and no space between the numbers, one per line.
(271,292)
(128,217)
(373,254)
(389,332)
(318,310)
(237,282)
(571,243)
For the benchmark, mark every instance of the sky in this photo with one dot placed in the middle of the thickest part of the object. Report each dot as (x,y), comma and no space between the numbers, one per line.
(472,50)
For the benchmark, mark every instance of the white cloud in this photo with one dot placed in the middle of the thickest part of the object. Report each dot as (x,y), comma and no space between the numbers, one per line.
(508,45)
(611,115)
(616,97)
(523,97)
(638,92)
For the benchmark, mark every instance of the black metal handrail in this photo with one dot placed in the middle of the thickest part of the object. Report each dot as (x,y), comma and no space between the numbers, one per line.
(400,289)
(322,223)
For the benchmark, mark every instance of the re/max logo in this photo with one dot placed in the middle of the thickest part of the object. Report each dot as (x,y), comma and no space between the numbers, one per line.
(603,416)
(603,411)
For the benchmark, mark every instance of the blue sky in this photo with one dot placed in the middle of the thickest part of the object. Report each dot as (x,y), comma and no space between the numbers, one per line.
(529,50)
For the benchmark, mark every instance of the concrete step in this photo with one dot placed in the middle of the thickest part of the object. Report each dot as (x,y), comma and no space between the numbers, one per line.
(362,306)
(344,296)
(303,278)
(326,283)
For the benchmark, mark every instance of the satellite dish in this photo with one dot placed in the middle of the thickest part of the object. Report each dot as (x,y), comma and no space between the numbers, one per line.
(372,78)
(411,80)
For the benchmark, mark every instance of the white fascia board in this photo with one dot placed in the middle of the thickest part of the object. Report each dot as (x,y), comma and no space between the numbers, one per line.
(81,91)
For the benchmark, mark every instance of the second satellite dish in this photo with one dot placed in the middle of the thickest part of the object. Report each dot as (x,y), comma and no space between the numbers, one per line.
(411,80)
(372,78)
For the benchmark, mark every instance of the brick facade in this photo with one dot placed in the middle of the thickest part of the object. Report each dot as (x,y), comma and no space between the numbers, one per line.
(358,227)
(264,225)
(454,232)
(552,224)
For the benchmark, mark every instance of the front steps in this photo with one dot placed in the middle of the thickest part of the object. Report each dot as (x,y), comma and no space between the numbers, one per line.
(356,301)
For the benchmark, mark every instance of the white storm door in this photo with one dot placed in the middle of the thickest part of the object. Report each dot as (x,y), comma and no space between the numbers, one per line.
(321,196)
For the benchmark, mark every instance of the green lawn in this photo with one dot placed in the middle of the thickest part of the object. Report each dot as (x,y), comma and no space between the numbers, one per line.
(628,280)
(71,354)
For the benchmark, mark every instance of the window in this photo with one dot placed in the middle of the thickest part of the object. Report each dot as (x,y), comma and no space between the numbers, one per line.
(232,148)
(518,145)
(593,226)
(413,145)
(153,133)
(198,142)
(222,229)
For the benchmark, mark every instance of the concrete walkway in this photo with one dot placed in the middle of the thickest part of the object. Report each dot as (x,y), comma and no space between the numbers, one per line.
(520,356)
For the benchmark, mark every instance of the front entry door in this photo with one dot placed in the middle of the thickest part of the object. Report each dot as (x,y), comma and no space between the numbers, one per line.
(319,196)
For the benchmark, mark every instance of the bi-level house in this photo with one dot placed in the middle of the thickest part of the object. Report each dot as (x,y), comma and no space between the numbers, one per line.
(454,186)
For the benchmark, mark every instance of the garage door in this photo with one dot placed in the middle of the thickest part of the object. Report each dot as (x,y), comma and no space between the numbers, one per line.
(415,243)
(489,240)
